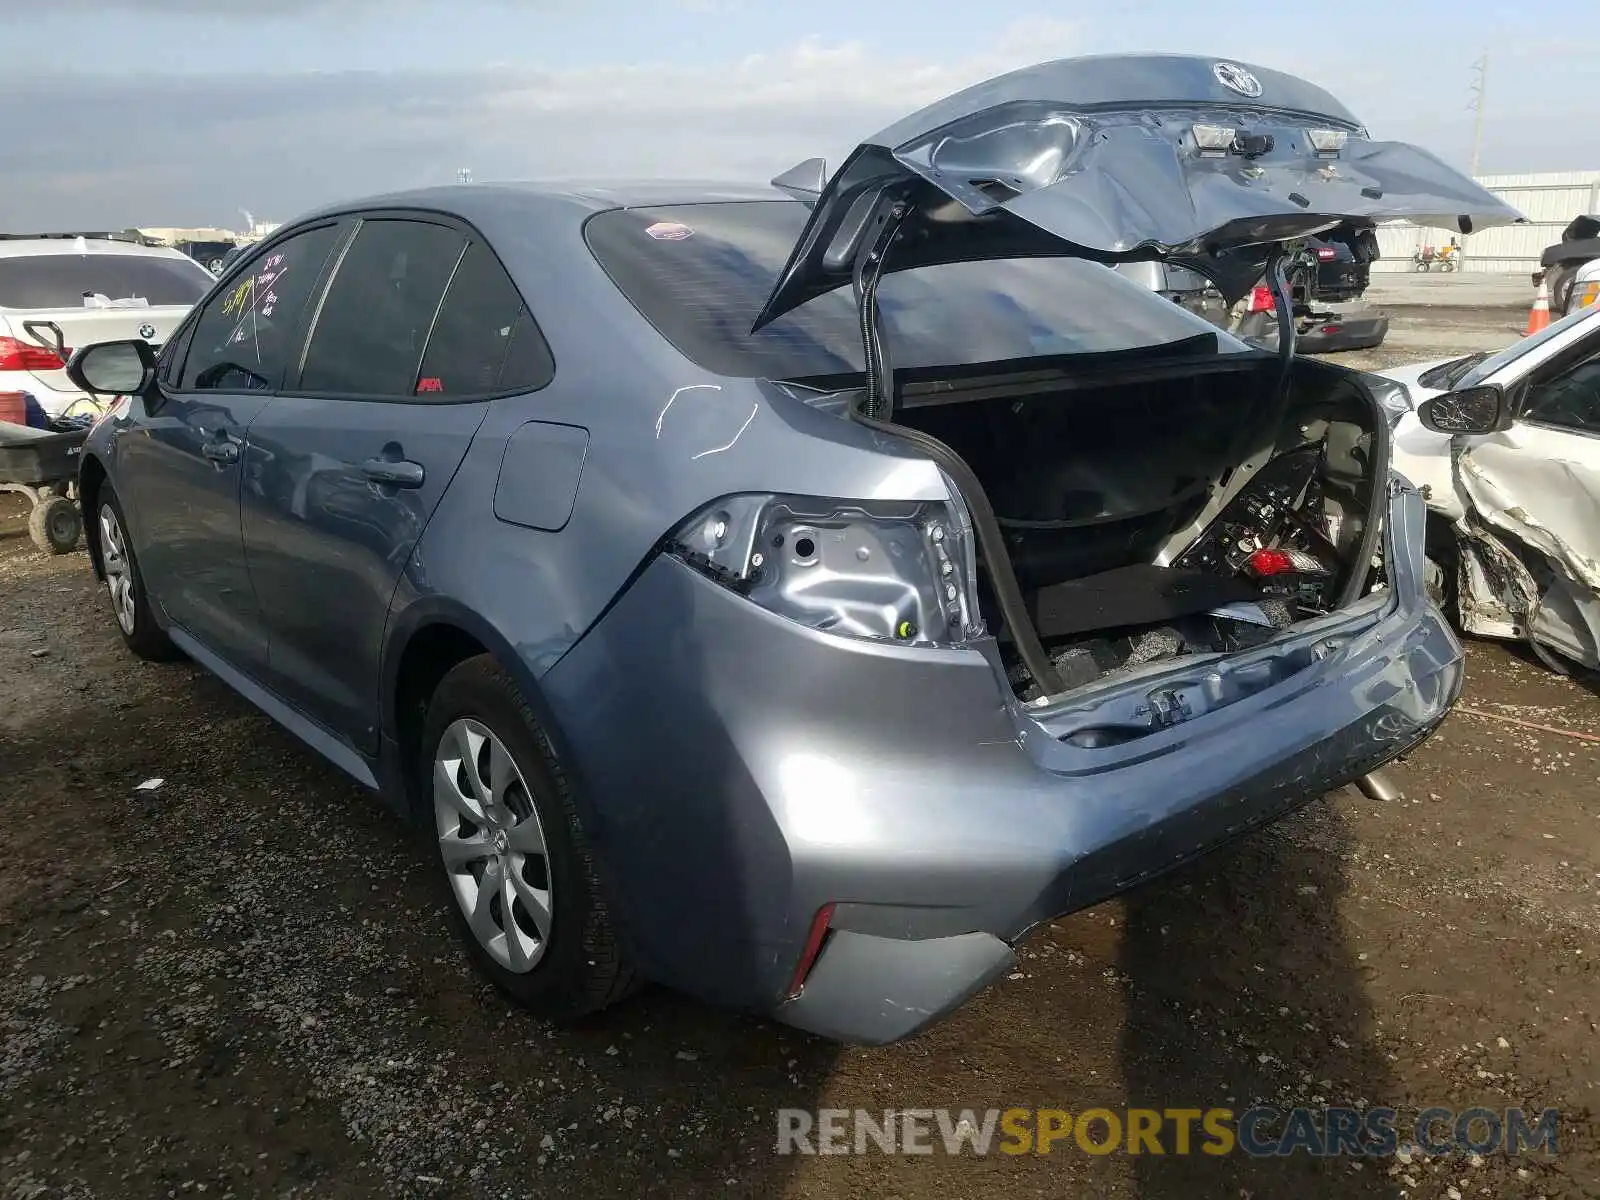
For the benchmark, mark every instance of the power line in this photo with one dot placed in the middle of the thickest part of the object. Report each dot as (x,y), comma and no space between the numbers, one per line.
(1480,93)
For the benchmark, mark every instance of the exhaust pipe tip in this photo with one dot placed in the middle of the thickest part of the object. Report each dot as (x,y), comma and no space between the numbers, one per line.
(1377,785)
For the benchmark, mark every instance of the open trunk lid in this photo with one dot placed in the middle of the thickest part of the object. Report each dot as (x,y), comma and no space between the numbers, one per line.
(1191,160)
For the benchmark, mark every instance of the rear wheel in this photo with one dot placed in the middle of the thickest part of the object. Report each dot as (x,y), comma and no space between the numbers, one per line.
(130,603)
(524,896)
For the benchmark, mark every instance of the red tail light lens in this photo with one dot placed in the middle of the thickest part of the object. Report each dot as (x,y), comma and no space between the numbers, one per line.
(16,355)
(1327,253)
(808,956)
(1267,562)
(1261,300)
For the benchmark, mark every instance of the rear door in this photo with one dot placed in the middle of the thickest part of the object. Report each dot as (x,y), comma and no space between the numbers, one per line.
(343,475)
(179,473)
(1540,481)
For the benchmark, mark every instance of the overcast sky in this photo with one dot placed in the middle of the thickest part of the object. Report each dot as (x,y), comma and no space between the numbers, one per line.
(183,112)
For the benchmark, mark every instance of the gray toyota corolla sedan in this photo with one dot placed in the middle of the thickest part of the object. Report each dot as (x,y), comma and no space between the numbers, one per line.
(796,595)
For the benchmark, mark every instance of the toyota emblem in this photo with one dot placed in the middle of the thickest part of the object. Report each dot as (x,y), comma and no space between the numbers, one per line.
(1236,79)
(147,332)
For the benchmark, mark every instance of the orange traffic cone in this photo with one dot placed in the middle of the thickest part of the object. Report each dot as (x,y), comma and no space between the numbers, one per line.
(1539,316)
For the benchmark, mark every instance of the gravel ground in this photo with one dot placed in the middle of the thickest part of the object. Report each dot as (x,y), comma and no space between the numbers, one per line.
(240,982)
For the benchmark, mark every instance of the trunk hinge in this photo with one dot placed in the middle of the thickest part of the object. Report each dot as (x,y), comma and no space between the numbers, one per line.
(883,227)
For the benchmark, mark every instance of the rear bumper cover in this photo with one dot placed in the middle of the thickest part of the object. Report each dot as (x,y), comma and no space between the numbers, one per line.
(1339,331)
(739,771)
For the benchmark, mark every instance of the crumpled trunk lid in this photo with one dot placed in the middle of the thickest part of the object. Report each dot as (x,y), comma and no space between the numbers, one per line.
(1185,159)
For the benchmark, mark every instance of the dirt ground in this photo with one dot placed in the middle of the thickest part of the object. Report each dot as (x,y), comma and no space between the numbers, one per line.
(240,982)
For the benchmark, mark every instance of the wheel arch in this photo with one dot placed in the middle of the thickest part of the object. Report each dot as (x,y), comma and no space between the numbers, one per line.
(92,476)
(425,642)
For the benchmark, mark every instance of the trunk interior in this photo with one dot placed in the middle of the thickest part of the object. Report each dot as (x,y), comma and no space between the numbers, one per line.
(1151,514)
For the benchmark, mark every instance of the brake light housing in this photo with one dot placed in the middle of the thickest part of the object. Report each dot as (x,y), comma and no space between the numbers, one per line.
(1326,253)
(18,355)
(894,571)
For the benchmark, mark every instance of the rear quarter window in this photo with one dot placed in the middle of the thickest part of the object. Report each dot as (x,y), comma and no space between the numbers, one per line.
(484,339)
(701,272)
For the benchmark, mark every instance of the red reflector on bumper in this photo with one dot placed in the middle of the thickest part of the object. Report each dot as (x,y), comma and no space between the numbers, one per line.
(813,947)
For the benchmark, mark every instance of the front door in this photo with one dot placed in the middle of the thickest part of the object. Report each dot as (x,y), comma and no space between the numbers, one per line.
(1540,481)
(183,467)
(344,474)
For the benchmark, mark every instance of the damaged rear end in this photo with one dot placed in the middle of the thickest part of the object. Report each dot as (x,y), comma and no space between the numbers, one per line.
(1159,502)
(1116,586)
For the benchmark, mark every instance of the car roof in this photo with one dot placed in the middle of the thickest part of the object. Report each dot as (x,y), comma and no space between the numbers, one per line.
(34,247)
(486,202)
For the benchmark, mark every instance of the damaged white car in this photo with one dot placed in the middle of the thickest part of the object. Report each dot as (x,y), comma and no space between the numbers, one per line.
(1514,528)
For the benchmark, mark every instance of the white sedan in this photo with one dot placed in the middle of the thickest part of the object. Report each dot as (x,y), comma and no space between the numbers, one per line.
(58,293)
(1514,541)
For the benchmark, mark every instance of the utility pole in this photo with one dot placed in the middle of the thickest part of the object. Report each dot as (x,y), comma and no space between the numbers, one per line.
(1480,92)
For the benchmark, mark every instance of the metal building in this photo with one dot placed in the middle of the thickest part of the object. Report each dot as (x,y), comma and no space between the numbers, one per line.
(1549,200)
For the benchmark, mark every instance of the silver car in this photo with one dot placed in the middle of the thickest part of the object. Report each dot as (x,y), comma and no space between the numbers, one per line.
(795,595)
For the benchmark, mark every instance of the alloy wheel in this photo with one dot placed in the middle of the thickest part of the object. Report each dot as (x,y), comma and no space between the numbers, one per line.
(492,845)
(118,569)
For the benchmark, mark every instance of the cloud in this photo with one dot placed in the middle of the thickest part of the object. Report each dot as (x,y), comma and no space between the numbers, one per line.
(198,147)
(194,149)
(220,10)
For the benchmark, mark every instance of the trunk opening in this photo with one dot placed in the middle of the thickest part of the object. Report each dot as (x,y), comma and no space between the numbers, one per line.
(1192,510)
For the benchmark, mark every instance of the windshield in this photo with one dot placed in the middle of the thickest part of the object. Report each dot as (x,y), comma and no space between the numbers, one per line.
(1498,362)
(60,280)
(1447,375)
(701,272)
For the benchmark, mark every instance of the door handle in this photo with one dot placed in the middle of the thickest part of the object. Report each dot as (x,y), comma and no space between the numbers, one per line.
(401,473)
(225,452)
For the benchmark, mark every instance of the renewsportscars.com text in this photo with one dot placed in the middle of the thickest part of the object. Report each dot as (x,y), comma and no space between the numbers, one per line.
(1259,1132)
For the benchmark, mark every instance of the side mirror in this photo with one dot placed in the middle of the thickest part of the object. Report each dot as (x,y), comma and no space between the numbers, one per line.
(1471,410)
(113,368)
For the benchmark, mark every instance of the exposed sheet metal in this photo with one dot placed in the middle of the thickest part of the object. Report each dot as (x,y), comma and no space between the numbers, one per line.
(1100,157)
(1540,489)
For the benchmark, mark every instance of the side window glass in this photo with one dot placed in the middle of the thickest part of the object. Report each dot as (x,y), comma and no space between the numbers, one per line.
(1571,400)
(244,338)
(379,309)
(529,365)
(484,340)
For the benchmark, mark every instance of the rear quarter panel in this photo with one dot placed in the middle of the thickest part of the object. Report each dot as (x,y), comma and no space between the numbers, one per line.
(660,439)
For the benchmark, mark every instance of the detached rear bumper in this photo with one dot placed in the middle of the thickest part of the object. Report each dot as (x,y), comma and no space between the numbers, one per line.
(1340,331)
(741,772)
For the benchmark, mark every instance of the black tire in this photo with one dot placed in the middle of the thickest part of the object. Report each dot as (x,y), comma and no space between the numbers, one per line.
(56,525)
(1560,280)
(1441,583)
(146,639)
(582,968)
